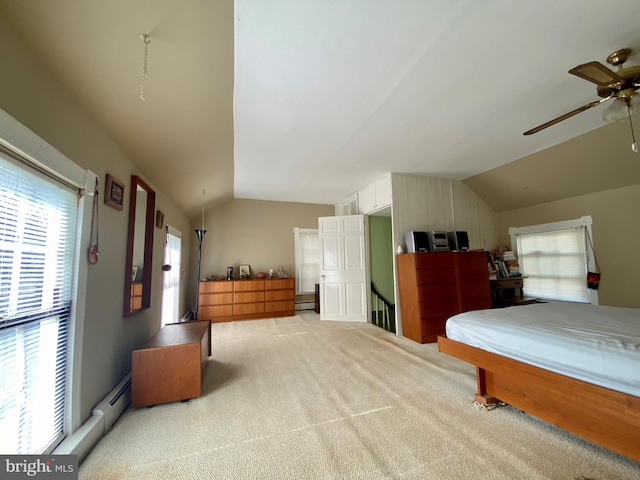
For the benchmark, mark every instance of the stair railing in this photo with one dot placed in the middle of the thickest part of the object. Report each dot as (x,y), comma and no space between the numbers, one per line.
(382,311)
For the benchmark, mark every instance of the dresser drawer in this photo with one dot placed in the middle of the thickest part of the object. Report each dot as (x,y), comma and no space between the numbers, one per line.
(434,326)
(216,299)
(280,284)
(136,303)
(248,285)
(216,287)
(248,308)
(215,311)
(438,308)
(248,297)
(434,260)
(274,295)
(284,306)
(446,291)
(506,283)
(436,275)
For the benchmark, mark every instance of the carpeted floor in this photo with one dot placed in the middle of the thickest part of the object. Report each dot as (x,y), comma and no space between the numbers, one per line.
(297,398)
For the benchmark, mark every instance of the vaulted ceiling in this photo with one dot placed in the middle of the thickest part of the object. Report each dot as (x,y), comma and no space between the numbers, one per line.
(309,101)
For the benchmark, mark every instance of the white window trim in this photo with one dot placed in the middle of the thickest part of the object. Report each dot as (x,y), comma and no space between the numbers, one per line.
(17,138)
(585,221)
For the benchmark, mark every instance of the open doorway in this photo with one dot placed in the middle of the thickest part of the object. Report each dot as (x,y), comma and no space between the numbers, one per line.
(171,275)
(381,256)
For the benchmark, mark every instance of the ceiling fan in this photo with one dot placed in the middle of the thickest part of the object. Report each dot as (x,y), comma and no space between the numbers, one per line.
(622,85)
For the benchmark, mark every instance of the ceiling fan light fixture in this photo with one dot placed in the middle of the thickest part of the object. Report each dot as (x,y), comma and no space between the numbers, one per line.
(617,109)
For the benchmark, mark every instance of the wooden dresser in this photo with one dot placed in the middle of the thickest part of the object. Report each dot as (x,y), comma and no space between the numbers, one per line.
(136,296)
(226,300)
(434,286)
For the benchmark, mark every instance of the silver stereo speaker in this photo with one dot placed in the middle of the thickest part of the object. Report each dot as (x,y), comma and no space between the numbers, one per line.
(416,242)
(458,241)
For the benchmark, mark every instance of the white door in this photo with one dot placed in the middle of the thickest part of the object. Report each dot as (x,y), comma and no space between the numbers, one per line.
(171,277)
(343,273)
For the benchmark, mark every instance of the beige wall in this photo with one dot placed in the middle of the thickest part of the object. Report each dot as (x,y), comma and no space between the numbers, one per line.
(30,94)
(616,229)
(254,232)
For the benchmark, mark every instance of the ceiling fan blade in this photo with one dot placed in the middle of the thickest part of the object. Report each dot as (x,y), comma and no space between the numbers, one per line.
(597,73)
(568,115)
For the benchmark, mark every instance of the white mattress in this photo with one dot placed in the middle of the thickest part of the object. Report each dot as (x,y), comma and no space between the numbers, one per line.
(597,344)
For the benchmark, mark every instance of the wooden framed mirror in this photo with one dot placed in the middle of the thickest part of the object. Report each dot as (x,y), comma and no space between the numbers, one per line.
(137,279)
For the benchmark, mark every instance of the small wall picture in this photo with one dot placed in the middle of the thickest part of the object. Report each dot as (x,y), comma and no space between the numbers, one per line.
(159,219)
(134,272)
(113,192)
(244,271)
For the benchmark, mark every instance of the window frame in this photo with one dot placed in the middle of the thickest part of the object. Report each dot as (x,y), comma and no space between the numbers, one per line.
(582,222)
(297,232)
(20,142)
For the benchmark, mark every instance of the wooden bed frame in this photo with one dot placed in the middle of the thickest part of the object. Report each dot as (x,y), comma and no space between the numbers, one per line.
(603,416)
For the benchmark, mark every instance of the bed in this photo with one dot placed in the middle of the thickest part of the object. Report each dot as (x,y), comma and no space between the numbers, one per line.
(576,366)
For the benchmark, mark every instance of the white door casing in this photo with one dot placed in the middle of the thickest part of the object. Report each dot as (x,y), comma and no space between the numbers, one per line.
(343,269)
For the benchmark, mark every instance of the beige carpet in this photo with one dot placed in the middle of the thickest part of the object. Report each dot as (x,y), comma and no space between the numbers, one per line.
(297,398)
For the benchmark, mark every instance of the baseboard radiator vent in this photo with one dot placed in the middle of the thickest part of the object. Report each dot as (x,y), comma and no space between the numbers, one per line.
(114,404)
(305,305)
(99,424)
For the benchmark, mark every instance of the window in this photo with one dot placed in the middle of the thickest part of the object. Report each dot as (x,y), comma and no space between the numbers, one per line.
(307,251)
(43,285)
(37,245)
(554,259)
(171,277)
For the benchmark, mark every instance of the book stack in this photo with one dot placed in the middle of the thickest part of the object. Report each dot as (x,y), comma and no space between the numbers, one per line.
(493,273)
(513,267)
(505,264)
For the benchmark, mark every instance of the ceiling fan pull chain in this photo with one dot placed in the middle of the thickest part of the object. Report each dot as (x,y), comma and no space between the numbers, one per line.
(634,145)
(145,39)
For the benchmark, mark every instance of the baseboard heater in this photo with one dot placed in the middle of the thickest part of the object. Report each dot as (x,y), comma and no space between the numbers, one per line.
(310,305)
(99,424)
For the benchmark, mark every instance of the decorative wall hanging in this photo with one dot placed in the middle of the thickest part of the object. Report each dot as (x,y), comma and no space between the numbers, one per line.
(93,245)
(113,192)
(159,219)
(593,277)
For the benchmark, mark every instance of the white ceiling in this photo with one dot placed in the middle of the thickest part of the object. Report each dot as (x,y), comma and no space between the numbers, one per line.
(321,98)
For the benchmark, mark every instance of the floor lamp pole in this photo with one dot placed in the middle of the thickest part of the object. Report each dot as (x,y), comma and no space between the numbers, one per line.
(200,235)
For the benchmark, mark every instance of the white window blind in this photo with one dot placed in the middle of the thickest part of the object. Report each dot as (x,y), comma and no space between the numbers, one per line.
(37,234)
(307,252)
(555,264)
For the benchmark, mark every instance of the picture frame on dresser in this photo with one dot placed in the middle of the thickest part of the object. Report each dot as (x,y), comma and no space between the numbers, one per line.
(244,271)
(135,269)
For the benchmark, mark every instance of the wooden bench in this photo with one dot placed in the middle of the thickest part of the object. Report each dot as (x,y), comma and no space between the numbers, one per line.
(170,365)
